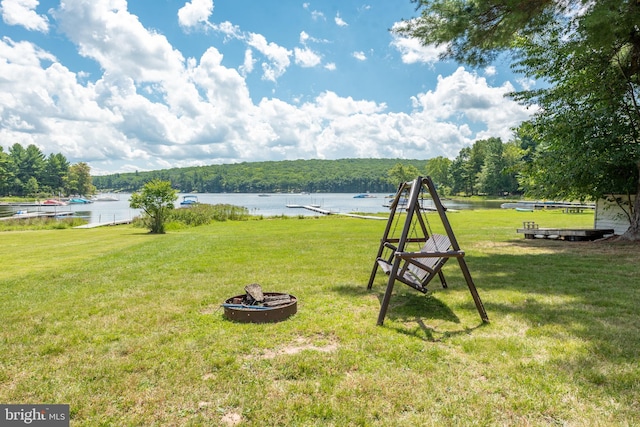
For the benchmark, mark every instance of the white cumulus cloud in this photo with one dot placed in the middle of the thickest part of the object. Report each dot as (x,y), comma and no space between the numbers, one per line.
(195,12)
(305,57)
(413,51)
(466,94)
(339,21)
(360,56)
(23,12)
(151,108)
(278,56)
(249,62)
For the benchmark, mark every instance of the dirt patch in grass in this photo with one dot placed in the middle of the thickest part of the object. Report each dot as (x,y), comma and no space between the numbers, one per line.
(297,346)
(231,419)
(488,247)
(210,309)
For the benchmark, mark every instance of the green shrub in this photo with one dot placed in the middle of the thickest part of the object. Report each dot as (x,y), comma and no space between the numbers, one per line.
(201,214)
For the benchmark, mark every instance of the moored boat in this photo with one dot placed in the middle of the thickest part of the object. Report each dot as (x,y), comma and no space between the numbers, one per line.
(104,198)
(54,202)
(189,200)
(79,201)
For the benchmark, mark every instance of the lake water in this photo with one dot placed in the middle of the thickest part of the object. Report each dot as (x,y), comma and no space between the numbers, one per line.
(266,205)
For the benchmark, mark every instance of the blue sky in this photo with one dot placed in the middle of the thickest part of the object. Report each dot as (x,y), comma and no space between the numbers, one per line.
(155,84)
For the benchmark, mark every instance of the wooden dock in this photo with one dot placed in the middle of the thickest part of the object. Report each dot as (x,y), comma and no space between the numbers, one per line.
(379,218)
(532,231)
(316,208)
(105,224)
(31,215)
(568,207)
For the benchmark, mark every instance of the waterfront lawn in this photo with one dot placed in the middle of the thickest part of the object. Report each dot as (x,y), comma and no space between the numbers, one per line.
(126,328)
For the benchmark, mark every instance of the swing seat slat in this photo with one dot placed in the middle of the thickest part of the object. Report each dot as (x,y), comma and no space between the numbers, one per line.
(419,268)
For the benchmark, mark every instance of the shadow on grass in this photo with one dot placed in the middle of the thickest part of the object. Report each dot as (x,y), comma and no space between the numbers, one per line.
(431,334)
(599,247)
(585,292)
(412,313)
(406,307)
(605,328)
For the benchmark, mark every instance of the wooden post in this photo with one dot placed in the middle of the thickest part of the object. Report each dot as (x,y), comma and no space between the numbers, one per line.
(456,247)
(385,236)
(411,209)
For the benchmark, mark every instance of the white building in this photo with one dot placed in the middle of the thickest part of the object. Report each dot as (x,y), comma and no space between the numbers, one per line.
(614,212)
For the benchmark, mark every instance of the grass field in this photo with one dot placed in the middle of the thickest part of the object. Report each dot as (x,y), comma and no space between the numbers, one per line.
(127,329)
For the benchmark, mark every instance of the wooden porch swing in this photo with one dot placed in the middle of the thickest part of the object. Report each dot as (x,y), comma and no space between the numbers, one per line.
(416,268)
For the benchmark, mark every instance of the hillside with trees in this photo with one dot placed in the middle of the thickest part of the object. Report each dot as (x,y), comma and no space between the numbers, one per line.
(488,167)
(328,176)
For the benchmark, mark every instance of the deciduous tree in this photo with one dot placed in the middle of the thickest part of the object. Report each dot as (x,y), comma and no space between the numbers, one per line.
(586,55)
(79,179)
(156,199)
(402,173)
(438,168)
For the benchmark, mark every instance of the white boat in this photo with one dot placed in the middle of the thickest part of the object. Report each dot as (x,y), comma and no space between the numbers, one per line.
(189,200)
(104,198)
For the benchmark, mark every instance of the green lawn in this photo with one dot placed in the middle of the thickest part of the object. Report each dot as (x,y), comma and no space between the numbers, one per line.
(127,329)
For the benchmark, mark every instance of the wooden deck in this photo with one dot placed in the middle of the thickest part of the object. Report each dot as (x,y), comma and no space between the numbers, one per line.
(570,234)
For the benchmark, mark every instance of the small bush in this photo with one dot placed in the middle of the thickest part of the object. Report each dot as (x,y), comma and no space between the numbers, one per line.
(201,214)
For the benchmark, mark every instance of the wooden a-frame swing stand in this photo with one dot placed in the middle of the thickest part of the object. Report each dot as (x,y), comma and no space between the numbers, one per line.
(418,268)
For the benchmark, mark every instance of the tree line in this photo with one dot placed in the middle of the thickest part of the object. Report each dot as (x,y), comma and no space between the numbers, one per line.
(27,172)
(488,167)
(313,176)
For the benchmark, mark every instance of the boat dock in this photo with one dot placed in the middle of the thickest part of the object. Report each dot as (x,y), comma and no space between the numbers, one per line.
(105,224)
(31,215)
(316,208)
(64,214)
(525,206)
(364,216)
